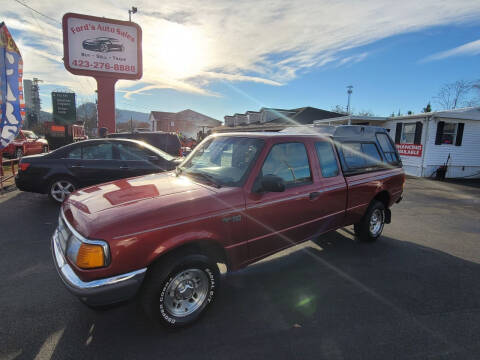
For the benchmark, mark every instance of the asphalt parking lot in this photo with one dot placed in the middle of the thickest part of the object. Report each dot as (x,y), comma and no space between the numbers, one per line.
(414,294)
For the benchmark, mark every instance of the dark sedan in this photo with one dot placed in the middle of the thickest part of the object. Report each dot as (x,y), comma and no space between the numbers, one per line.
(90,162)
(102,44)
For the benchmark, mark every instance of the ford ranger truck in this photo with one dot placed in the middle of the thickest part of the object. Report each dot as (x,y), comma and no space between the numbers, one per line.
(237,198)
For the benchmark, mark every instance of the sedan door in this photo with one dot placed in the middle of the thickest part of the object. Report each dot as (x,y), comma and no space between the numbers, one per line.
(135,160)
(97,164)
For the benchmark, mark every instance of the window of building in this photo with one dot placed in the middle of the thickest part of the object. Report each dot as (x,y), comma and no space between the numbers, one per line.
(288,161)
(326,157)
(408,133)
(449,133)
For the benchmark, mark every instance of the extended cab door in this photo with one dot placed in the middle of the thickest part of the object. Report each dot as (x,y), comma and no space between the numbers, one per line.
(332,198)
(277,220)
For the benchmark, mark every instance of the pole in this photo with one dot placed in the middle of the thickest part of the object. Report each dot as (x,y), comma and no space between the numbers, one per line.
(106,103)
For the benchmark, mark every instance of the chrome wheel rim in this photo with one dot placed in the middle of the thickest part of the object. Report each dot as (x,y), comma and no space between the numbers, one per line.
(376,222)
(61,189)
(186,293)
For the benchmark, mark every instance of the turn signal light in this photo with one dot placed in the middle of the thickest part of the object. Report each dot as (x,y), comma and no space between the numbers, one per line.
(23,166)
(90,256)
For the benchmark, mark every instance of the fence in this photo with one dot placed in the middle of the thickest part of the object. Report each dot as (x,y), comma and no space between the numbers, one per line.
(6,176)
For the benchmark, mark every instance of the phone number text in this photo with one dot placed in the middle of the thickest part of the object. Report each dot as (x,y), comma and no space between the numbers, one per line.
(103,66)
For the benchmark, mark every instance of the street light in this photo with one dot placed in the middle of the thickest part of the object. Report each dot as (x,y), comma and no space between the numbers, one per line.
(133,10)
(349,92)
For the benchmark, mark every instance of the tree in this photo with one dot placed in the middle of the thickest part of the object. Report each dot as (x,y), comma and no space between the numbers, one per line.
(456,94)
(410,112)
(365,113)
(339,109)
(427,108)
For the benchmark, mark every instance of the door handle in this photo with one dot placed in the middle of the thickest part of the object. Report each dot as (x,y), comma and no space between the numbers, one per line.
(314,195)
(76,166)
(123,167)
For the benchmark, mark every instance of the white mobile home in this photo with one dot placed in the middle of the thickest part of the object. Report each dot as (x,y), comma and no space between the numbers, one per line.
(428,141)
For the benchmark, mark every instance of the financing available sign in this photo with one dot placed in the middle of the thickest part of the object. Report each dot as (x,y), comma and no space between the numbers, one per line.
(95,46)
(409,149)
(63,108)
(12,106)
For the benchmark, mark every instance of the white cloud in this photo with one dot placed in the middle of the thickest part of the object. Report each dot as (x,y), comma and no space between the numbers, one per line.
(471,48)
(190,43)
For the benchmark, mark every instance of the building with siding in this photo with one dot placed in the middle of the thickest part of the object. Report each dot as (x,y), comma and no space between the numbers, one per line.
(271,119)
(428,141)
(186,122)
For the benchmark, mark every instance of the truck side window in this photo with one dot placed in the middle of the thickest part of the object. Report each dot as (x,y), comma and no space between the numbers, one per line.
(361,155)
(387,148)
(326,157)
(288,161)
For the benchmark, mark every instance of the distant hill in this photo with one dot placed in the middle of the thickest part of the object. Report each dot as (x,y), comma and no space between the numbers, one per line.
(90,109)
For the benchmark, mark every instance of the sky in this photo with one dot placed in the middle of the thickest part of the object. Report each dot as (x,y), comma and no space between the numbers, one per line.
(222,57)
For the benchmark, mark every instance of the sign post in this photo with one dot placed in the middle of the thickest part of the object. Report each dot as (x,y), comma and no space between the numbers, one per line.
(105,49)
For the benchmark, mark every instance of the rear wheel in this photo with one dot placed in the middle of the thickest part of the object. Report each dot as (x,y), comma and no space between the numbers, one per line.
(60,188)
(371,226)
(18,153)
(178,291)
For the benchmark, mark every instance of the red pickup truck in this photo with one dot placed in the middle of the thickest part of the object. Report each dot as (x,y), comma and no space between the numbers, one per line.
(235,200)
(26,143)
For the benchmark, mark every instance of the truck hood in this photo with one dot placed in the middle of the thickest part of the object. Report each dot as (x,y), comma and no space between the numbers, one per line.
(134,205)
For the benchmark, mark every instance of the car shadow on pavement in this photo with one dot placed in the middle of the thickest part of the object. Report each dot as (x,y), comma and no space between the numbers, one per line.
(331,298)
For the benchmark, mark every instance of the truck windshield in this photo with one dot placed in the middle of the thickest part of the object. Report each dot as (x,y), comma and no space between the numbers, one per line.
(223,160)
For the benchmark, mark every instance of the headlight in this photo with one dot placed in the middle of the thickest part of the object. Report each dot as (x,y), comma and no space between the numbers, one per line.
(85,255)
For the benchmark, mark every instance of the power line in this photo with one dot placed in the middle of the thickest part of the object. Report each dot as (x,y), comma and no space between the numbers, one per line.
(38,12)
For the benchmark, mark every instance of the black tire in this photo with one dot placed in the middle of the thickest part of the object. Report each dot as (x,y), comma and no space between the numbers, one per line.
(156,302)
(363,230)
(18,153)
(60,179)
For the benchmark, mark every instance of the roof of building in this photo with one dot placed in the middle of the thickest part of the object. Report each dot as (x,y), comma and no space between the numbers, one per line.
(305,115)
(469,113)
(164,115)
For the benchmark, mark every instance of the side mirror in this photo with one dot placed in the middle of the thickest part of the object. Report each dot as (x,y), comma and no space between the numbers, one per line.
(272,183)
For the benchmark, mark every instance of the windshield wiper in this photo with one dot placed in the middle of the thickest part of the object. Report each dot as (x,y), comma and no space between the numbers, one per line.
(205,176)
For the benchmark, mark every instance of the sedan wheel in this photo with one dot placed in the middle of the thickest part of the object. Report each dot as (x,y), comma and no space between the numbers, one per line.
(60,189)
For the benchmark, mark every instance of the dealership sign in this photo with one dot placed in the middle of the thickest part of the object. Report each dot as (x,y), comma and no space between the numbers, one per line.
(101,46)
(409,149)
(106,49)
(63,108)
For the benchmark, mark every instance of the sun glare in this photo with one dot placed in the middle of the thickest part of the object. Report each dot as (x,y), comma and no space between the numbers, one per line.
(181,51)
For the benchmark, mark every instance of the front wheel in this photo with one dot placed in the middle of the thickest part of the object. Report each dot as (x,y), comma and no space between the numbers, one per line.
(371,226)
(178,292)
(18,153)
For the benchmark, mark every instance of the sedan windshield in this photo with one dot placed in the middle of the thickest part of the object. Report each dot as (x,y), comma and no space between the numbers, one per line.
(223,160)
(30,134)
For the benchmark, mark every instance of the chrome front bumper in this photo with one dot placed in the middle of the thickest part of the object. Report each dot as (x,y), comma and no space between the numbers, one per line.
(97,292)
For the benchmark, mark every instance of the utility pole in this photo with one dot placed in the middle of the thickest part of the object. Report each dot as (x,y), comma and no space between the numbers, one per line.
(131,11)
